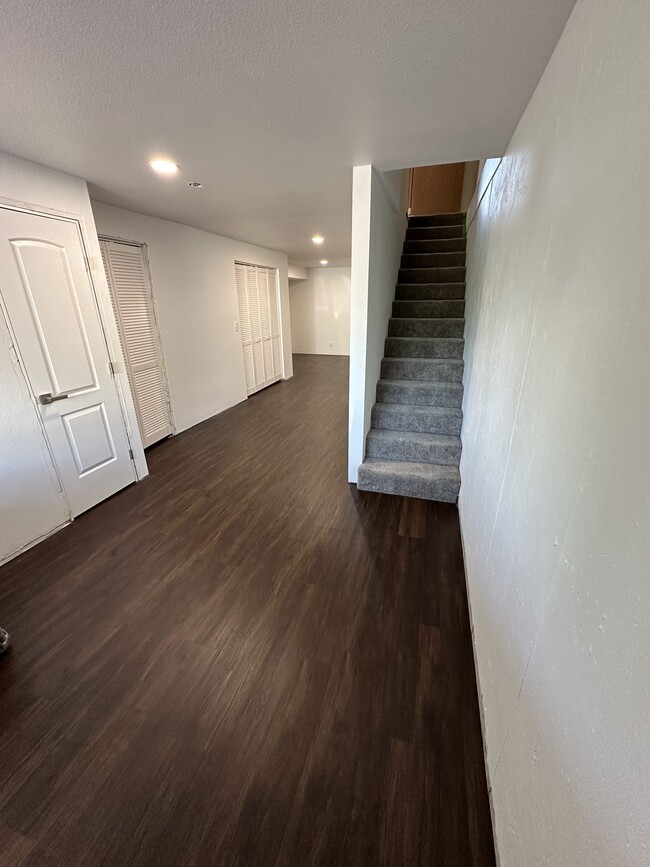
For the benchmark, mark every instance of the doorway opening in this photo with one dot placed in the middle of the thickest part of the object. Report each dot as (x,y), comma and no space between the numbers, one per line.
(441,189)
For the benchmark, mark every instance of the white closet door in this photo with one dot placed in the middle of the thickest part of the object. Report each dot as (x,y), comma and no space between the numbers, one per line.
(256,326)
(275,322)
(259,324)
(131,294)
(265,320)
(245,329)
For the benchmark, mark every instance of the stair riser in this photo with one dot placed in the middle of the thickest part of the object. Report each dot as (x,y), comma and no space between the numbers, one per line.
(429,291)
(433,260)
(439,245)
(430,220)
(443,491)
(436,233)
(428,309)
(426,327)
(431,275)
(423,394)
(446,421)
(421,370)
(423,347)
(397,450)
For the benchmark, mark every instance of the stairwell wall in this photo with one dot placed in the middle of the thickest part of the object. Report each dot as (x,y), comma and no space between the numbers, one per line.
(378,228)
(554,502)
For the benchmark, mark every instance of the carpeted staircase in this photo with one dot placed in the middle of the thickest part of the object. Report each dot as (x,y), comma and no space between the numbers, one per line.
(413,447)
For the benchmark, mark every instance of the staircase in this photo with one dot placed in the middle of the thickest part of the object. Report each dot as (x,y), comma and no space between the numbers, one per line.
(413,447)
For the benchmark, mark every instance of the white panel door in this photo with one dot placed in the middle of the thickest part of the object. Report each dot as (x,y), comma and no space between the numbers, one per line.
(132,299)
(257,294)
(53,315)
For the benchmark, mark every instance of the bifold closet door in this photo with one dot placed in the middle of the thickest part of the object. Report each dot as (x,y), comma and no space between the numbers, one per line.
(131,294)
(257,294)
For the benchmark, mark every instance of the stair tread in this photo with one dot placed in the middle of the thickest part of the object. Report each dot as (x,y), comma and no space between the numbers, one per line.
(428,475)
(417,409)
(414,468)
(419,319)
(432,268)
(434,362)
(424,300)
(410,479)
(415,436)
(421,285)
(425,319)
(424,383)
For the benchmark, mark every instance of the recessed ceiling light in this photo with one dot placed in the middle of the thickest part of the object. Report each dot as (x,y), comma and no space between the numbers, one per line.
(164,167)
(318,239)
(323,261)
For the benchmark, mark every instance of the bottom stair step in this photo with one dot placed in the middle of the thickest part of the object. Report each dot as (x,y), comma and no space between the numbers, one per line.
(398,445)
(424,481)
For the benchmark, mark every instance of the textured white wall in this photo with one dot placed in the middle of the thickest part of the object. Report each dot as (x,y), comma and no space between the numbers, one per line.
(31,502)
(193,274)
(555,504)
(320,312)
(378,227)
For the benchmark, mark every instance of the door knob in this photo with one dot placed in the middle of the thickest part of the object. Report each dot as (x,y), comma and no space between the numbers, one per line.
(46,399)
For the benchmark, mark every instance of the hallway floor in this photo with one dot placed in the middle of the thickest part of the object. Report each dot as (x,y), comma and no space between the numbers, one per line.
(244,661)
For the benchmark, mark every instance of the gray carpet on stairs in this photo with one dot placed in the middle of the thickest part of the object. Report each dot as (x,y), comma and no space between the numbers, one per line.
(413,448)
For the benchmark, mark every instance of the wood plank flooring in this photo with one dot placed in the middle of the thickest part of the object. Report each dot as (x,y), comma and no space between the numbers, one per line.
(244,661)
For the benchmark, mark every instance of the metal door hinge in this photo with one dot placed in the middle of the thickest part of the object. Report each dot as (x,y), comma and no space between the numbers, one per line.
(131,454)
(111,367)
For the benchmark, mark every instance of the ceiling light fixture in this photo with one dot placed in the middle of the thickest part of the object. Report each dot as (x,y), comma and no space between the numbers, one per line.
(164,167)
(318,239)
(323,261)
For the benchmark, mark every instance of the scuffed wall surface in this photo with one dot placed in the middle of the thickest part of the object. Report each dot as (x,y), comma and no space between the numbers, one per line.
(555,497)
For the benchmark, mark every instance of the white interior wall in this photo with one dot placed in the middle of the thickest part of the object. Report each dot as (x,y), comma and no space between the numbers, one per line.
(193,274)
(31,502)
(320,312)
(378,229)
(554,504)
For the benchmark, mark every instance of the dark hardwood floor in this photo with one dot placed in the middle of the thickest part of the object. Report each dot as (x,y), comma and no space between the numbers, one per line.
(244,661)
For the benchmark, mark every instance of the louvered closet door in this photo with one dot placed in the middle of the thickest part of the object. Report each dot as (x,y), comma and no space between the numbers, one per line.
(128,281)
(245,329)
(259,324)
(265,322)
(256,326)
(275,322)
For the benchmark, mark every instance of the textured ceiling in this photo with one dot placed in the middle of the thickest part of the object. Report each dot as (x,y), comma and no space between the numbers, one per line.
(267,103)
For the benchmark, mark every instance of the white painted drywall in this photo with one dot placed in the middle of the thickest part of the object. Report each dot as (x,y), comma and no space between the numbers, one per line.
(31,502)
(555,503)
(378,227)
(193,274)
(320,312)
(297,272)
